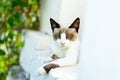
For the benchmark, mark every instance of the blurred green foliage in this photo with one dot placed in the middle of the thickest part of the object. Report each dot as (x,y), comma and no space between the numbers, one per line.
(15,15)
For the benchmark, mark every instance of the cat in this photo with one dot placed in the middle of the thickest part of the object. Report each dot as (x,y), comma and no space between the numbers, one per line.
(65,46)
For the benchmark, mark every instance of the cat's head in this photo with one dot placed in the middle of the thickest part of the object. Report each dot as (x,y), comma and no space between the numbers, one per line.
(65,36)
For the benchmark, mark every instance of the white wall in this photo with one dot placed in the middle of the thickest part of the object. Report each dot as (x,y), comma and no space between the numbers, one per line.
(100,41)
(63,11)
(49,9)
(70,10)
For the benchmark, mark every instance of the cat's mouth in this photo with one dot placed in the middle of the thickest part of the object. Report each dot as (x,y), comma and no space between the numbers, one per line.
(63,46)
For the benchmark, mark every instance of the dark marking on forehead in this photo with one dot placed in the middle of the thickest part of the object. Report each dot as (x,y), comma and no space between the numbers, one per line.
(71,33)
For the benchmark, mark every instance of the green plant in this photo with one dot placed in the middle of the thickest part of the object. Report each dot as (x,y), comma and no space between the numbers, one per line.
(15,15)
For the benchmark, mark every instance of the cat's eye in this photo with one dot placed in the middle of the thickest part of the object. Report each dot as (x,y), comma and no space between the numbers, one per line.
(70,37)
(56,36)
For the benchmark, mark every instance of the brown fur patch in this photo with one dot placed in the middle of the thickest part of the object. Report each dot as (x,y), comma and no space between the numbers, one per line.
(49,67)
(54,56)
(71,33)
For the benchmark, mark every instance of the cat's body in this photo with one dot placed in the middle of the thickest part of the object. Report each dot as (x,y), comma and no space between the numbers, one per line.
(65,46)
(66,56)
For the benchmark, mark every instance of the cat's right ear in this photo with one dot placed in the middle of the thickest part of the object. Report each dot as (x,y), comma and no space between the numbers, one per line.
(54,24)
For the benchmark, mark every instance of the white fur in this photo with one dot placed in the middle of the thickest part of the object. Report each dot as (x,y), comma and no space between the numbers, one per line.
(41,71)
(47,60)
(68,53)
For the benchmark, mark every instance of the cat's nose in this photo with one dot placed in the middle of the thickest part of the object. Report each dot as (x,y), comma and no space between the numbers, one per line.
(62,43)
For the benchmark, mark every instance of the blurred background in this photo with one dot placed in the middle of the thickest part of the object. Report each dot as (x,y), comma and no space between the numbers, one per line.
(15,17)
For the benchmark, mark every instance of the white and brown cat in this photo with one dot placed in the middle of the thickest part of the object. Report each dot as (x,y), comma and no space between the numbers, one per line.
(65,46)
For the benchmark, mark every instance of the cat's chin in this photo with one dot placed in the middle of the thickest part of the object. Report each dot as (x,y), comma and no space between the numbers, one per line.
(64,47)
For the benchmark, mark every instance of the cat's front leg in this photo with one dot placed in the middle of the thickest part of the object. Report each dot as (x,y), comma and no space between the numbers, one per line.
(51,58)
(46,68)
(47,60)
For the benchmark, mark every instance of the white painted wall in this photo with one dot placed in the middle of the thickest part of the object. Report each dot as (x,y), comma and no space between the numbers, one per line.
(100,41)
(70,10)
(63,11)
(49,9)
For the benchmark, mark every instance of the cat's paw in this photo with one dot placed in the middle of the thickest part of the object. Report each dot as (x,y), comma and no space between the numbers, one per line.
(41,71)
(46,68)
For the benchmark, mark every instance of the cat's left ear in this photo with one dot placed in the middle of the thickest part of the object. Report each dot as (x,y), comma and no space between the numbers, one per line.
(75,24)
(54,24)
